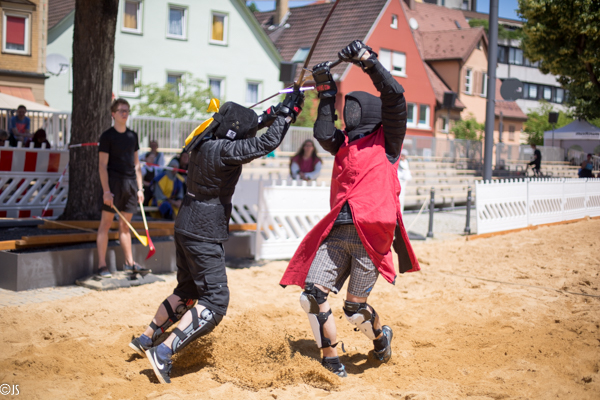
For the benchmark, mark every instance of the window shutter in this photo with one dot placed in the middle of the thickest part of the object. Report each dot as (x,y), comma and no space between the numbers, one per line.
(15,30)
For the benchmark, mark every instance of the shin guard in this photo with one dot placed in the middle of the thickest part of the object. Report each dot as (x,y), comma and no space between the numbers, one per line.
(200,326)
(174,316)
(359,315)
(310,300)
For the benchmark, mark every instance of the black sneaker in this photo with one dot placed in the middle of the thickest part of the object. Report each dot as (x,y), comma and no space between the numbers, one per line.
(161,367)
(104,272)
(385,354)
(136,269)
(138,347)
(334,365)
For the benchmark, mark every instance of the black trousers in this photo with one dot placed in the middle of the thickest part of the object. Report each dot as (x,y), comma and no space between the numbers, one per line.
(201,273)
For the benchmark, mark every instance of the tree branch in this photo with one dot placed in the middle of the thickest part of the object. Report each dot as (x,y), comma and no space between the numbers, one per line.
(588,66)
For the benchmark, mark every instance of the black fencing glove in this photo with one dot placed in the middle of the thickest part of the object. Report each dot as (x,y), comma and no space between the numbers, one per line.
(323,80)
(268,116)
(355,51)
(292,105)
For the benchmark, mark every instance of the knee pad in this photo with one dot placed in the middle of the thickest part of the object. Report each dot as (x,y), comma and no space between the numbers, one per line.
(174,316)
(359,315)
(310,300)
(201,325)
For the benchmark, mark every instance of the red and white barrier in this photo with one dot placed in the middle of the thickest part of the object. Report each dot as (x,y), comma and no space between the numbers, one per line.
(24,195)
(20,159)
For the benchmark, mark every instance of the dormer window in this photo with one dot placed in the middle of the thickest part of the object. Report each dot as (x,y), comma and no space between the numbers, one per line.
(301,55)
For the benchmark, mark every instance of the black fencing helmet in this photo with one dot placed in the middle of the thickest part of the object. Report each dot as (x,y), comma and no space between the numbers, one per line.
(362,114)
(234,122)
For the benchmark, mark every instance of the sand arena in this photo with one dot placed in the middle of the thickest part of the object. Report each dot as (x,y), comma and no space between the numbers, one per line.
(517,334)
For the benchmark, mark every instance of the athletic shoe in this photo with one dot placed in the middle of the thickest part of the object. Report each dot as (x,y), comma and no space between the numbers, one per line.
(136,269)
(104,272)
(385,354)
(334,365)
(161,366)
(138,347)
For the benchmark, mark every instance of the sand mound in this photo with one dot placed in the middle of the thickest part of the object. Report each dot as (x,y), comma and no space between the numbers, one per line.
(510,317)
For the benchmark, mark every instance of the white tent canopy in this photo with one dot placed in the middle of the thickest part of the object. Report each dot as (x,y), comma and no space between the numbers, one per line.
(12,102)
(576,130)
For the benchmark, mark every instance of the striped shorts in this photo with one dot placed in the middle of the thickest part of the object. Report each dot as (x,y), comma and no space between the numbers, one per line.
(342,255)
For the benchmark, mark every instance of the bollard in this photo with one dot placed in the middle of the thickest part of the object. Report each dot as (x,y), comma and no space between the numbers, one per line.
(431,211)
(468,224)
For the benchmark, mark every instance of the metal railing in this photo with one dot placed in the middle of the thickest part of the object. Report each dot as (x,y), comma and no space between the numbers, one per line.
(56,124)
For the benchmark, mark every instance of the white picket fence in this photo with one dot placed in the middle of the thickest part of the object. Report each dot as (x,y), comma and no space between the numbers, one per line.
(512,204)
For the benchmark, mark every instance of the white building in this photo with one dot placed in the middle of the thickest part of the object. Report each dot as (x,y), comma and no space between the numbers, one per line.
(157,41)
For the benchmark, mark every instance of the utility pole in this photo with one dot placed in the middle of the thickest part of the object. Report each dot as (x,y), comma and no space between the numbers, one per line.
(490,116)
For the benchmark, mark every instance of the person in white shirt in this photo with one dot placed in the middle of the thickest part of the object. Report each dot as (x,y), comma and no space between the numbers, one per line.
(404,176)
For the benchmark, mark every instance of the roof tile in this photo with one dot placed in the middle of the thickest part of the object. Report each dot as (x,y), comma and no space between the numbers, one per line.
(57,10)
(450,45)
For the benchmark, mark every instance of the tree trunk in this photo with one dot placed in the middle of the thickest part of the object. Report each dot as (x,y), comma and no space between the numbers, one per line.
(93,60)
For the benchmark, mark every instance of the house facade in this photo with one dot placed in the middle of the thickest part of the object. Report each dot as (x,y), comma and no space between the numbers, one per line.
(160,41)
(23,53)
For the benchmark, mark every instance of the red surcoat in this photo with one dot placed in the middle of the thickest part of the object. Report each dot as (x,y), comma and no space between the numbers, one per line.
(364,177)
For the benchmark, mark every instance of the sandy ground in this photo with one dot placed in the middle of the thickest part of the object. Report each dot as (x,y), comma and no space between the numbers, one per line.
(515,334)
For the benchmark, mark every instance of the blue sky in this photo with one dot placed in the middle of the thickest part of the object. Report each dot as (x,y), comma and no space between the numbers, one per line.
(506,8)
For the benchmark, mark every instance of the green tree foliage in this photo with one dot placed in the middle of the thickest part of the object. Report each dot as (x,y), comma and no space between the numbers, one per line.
(308,115)
(537,123)
(252,7)
(503,33)
(565,37)
(468,129)
(187,100)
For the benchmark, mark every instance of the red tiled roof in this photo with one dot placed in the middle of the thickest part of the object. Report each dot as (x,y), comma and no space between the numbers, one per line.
(510,109)
(57,10)
(352,19)
(431,17)
(451,45)
(439,87)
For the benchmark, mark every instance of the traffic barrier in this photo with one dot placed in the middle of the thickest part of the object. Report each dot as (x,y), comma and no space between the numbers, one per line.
(513,204)
(287,210)
(24,195)
(21,159)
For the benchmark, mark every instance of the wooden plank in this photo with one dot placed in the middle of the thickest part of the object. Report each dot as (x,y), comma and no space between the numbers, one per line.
(528,228)
(114,226)
(8,245)
(242,227)
(29,241)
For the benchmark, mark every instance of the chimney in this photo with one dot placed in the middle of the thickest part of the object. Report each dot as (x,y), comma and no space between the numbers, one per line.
(281,9)
(410,4)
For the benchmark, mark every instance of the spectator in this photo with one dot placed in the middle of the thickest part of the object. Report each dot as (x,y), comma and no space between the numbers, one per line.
(148,175)
(168,192)
(19,126)
(306,164)
(121,178)
(3,137)
(587,168)
(537,160)
(159,158)
(39,138)
(404,176)
(184,160)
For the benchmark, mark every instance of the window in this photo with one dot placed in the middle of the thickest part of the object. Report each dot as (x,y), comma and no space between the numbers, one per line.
(469,81)
(484,82)
(216,87)
(511,132)
(515,56)
(393,61)
(532,93)
(411,111)
(444,124)
(394,23)
(252,91)
(301,54)
(129,81)
(547,93)
(465,4)
(15,35)
(559,95)
(218,28)
(177,23)
(502,54)
(423,116)
(174,80)
(132,16)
